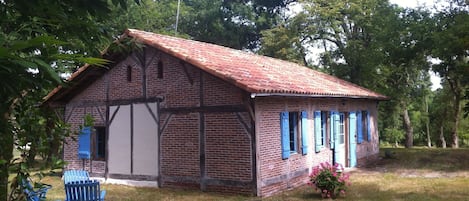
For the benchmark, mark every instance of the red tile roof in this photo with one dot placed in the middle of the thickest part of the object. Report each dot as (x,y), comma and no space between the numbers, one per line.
(254,73)
(259,75)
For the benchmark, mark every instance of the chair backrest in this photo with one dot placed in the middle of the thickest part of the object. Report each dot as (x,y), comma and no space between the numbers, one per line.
(28,189)
(88,190)
(31,193)
(75,175)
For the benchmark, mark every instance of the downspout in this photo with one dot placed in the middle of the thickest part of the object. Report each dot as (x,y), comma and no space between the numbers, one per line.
(253,146)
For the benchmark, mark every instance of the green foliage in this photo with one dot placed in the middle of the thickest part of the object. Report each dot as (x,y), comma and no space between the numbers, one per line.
(236,24)
(451,45)
(283,43)
(149,15)
(345,30)
(393,135)
(38,39)
(376,45)
(37,132)
(88,121)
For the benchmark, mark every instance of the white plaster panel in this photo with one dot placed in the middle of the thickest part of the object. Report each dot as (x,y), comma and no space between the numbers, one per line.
(119,141)
(145,154)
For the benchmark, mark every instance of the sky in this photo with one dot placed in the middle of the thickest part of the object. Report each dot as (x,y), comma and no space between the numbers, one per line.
(436,80)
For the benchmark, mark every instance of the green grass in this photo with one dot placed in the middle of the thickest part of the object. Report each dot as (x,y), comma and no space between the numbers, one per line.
(448,160)
(412,174)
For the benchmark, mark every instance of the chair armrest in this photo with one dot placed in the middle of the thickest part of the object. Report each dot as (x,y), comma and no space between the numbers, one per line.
(43,190)
(103,194)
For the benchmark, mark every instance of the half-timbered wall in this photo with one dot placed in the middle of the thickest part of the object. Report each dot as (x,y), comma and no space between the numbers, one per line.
(205,132)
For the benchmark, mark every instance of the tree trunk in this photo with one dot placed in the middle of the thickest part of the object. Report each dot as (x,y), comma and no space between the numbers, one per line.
(429,141)
(457,113)
(53,150)
(409,131)
(456,88)
(6,154)
(427,125)
(442,136)
(32,153)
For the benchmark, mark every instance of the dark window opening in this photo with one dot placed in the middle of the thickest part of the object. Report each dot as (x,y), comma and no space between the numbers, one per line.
(293,125)
(323,127)
(99,142)
(129,73)
(160,70)
(364,125)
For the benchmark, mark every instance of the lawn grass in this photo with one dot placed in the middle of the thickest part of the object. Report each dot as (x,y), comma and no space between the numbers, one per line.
(412,174)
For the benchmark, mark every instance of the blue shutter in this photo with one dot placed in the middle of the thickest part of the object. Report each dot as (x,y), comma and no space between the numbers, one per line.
(304,132)
(84,144)
(285,135)
(317,131)
(353,139)
(368,124)
(359,127)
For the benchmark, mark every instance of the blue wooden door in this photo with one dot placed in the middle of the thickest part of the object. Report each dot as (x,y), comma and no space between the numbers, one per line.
(352,139)
(339,137)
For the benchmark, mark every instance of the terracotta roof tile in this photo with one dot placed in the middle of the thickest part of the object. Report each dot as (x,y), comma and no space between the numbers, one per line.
(259,75)
(254,73)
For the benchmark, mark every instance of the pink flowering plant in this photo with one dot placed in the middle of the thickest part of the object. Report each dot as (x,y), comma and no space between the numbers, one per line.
(329,179)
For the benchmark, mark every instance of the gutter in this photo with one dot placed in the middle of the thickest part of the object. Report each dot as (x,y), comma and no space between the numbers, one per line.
(254,95)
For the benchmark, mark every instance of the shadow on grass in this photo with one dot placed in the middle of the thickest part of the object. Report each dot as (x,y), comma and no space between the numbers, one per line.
(435,159)
(407,190)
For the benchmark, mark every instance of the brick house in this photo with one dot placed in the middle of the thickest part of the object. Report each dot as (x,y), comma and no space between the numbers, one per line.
(183,113)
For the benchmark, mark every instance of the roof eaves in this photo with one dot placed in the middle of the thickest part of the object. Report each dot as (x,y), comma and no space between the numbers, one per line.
(59,88)
(380,98)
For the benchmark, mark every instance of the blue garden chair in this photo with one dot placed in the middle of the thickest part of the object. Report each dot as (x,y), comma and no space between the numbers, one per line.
(75,175)
(88,190)
(33,194)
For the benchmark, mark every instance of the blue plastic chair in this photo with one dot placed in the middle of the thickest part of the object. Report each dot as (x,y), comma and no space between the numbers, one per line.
(88,190)
(75,175)
(32,194)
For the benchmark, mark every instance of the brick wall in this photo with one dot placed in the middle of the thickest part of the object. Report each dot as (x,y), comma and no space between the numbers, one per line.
(227,141)
(180,147)
(75,119)
(275,174)
(228,148)
(217,92)
(119,86)
(179,85)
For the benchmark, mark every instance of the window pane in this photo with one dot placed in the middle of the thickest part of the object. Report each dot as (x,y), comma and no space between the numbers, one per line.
(293,124)
(100,143)
(364,125)
(341,129)
(323,127)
